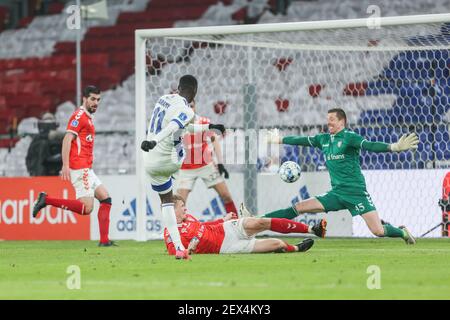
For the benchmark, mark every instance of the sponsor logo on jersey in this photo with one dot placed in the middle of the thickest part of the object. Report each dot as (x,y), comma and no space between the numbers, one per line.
(339,144)
(74,123)
(79,114)
(182,116)
(89,138)
(335,157)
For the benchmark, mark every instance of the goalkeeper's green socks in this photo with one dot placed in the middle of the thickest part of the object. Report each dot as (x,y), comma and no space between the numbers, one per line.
(288,213)
(393,232)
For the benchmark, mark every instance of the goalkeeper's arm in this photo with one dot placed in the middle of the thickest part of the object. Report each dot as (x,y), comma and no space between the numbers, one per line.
(274,137)
(406,142)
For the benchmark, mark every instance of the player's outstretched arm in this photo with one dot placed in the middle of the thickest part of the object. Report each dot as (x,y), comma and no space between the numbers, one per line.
(274,137)
(193,128)
(164,133)
(406,142)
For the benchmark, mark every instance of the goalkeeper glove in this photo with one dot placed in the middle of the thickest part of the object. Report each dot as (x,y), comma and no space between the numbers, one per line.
(148,145)
(406,142)
(219,127)
(273,136)
(222,169)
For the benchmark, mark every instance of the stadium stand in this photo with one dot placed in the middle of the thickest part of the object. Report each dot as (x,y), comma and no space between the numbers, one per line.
(395,100)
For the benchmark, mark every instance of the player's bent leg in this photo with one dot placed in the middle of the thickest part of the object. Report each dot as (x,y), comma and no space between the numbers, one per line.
(374,224)
(88,203)
(253,225)
(269,245)
(309,205)
(103,216)
(101,193)
(66,204)
(222,189)
(280,246)
(170,222)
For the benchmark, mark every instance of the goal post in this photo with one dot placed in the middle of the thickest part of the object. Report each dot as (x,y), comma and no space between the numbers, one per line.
(388,74)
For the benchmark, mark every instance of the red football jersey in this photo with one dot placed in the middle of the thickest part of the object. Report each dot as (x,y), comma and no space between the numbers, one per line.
(198,153)
(210,234)
(82,148)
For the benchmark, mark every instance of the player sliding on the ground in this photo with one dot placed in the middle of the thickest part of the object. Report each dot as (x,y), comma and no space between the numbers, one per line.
(231,235)
(341,148)
(164,152)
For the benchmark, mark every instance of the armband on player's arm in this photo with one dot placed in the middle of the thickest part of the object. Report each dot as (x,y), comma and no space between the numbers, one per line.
(164,133)
(406,142)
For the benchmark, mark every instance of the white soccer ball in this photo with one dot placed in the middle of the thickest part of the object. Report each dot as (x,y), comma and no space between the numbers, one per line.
(289,171)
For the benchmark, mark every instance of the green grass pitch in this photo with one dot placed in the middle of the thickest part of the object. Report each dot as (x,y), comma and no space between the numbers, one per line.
(332,269)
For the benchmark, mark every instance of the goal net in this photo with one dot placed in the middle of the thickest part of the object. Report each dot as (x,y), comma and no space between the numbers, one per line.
(390,75)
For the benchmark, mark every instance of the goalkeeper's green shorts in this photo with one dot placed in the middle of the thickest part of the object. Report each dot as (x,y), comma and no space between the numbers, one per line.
(357,203)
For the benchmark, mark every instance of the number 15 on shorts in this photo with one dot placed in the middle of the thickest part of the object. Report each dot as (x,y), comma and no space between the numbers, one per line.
(359,207)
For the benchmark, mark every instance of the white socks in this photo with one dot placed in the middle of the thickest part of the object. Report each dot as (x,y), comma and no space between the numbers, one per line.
(170,222)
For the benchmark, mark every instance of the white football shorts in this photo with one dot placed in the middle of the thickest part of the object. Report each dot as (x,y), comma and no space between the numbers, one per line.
(160,174)
(85,182)
(209,174)
(236,239)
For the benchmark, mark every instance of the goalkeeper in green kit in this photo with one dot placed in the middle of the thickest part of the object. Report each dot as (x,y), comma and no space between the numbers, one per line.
(341,148)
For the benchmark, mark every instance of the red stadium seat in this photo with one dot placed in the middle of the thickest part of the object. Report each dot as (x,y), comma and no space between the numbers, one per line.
(30,86)
(55,8)
(65,47)
(4,17)
(24,22)
(355,89)
(95,59)
(63,61)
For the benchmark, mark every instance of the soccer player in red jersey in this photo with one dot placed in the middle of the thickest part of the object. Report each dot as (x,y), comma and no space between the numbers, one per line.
(77,158)
(199,163)
(231,235)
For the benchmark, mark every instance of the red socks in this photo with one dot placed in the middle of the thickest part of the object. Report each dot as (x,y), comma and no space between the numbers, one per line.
(290,248)
(103,221)
(78,207)
(287,226)
(72,205)
(229,207)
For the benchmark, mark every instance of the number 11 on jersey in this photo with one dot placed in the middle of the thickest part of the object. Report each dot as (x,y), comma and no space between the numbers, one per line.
(157,114)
